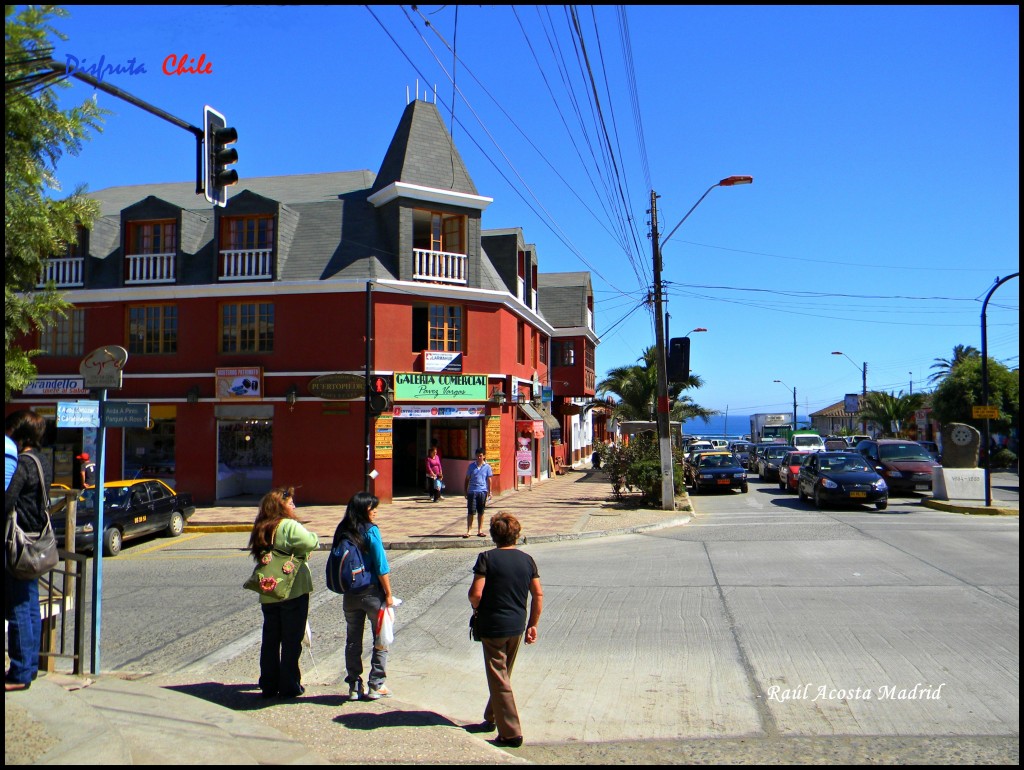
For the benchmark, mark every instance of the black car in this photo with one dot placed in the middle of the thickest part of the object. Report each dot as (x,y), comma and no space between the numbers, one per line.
(841,477)
(717,470)
(742,451)
(130,509)
(770,458)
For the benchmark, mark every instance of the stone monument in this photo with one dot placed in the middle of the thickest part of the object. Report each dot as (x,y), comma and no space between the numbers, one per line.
(959,477)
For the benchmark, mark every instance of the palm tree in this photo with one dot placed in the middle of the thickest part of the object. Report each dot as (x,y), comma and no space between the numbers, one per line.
(637,389)
(944,366)
(890,412)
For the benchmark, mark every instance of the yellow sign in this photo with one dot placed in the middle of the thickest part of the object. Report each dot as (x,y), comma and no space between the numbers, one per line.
(985,412)
(383,438)
(492,440)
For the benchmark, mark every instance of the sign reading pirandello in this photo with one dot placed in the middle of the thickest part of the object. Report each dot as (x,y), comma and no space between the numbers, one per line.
(426,386)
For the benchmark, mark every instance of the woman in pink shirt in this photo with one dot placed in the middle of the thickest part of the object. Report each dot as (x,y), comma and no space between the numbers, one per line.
(434,474)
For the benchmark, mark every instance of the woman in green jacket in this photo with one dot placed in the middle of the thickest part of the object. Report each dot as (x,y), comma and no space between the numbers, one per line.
(284,620)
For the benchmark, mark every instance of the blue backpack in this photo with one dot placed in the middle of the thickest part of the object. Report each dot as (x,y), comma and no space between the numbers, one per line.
(346,569)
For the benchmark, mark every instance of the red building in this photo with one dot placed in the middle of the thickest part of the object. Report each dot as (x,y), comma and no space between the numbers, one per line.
(249,327)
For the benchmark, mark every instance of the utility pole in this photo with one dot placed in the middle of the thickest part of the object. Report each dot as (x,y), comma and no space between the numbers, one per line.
(668,492)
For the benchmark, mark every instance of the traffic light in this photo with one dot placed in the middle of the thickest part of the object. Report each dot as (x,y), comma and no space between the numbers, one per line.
(217,135)
(678,359)
(377,401)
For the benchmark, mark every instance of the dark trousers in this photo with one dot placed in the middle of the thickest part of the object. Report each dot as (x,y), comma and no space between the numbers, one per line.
(284,624)
(499,657)
(359,609)
(24,626)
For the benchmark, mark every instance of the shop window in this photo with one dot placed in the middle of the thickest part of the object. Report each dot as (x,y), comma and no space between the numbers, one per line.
(65,336)
(149,452)
(454,438)
(153,329)
(247,328)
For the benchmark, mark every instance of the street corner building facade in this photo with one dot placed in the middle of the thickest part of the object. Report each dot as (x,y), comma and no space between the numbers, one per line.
(323,331)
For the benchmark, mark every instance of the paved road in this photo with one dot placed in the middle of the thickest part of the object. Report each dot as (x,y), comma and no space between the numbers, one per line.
(762,622)
(704,643)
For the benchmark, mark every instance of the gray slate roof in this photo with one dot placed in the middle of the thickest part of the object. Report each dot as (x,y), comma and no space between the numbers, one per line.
(562,297)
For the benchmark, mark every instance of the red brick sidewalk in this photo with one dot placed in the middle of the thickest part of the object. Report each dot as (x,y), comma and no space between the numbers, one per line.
(578,504)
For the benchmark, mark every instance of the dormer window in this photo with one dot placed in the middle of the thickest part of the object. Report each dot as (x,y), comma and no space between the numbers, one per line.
(439,247)
(246,248)
(150,252)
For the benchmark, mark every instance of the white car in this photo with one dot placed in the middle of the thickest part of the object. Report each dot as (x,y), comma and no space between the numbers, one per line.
(808,442)
(720,443)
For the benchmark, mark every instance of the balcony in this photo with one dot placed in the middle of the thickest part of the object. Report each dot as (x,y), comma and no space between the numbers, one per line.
(440,266)
(65,272)
(246,264)
(150,268)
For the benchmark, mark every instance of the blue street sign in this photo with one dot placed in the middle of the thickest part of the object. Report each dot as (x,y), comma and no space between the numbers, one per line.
(78,414)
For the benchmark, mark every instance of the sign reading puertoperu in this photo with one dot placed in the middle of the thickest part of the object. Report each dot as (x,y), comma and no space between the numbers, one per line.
(425,386)
(338,387)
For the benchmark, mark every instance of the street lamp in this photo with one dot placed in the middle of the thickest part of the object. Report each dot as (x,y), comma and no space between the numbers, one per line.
(668,494)
(794,400)
(863,387)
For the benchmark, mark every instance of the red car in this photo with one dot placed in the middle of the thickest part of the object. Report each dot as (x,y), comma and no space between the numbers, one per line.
(789,469)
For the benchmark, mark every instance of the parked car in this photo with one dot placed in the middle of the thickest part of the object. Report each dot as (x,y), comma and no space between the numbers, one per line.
(905,465)
(789,468)
(131,509)
(717,470)
(742,451)
(933,449)
(841,477)
(836,444)
(720,443)
(768,461)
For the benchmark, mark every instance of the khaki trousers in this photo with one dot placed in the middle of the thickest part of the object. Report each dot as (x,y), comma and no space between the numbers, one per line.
(499,657)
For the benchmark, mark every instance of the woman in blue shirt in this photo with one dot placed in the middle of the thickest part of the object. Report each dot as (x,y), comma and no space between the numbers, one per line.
(359,527)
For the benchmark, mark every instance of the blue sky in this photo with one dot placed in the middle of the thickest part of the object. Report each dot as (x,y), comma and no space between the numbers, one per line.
(883,142)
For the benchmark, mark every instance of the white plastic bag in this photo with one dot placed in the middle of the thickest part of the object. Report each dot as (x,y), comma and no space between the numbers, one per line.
(386,626)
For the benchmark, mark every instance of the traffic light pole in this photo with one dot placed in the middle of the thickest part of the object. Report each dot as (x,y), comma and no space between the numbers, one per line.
(197,132)
(668,492)
(367,420)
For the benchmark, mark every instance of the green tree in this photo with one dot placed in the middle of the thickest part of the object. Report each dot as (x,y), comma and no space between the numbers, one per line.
(889,411)
(636,387)
(36,226)
(943,366)
(953,399)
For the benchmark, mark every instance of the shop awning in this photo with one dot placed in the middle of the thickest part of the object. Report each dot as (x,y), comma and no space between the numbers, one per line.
(534,422)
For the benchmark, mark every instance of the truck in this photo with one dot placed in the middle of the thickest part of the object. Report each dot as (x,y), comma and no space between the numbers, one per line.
(766,426)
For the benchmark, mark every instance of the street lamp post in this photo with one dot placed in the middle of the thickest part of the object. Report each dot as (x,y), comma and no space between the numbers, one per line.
(668,493)
(794,400)
(863,387)
(984,384)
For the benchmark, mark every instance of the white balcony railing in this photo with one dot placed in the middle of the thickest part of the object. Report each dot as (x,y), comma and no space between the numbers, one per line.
(65,272)
(438,266)
(246,264)
(151,268)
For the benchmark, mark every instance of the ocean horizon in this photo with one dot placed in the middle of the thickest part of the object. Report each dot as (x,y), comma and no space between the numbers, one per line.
(735,426)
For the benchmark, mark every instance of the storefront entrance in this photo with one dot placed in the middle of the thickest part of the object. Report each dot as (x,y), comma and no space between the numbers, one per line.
(244,452)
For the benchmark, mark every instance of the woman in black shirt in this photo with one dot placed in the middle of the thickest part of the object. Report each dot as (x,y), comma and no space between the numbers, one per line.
(21,597)
(503,578)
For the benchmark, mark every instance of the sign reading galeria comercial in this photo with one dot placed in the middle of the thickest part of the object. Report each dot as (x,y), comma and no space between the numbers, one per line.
(426,386)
